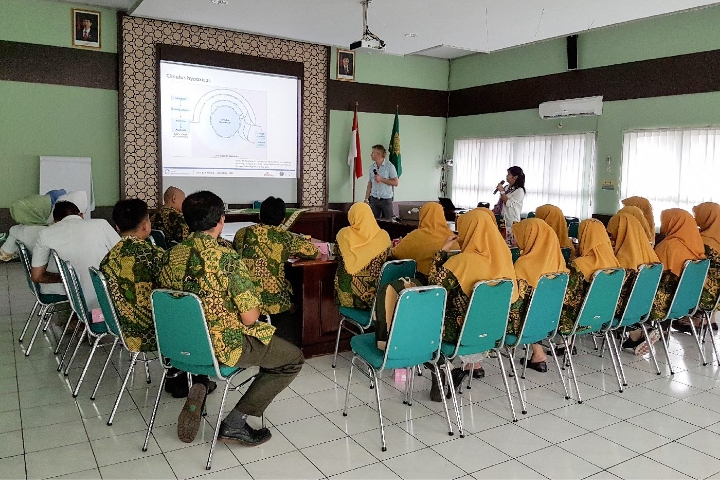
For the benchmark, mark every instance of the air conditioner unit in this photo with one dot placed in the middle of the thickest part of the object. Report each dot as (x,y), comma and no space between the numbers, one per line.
(571,108)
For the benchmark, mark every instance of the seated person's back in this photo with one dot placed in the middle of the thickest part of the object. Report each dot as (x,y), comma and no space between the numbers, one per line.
(82,243)
(265,247)
(169,218)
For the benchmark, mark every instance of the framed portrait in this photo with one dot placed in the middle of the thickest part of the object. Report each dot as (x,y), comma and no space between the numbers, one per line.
(85,28)
(346,65)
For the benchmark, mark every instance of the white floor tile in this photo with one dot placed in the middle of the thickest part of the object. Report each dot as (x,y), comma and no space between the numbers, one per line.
(586,416)
(190,462)
(290,410)
(314,382)
(122,448)
(146,467)
(554,462)
(551,427)
(332,400)
(685,459)
(632,437)
(670,387)
(513,440)
(617,406)
(397,441)
(124,422)
(597,450)
(311,431)
(277,445)
(430,430)
(338,456)
(10,421)
(288,465)
(230,473)
(470,453)
(663,424)
(424,463)
(375,471)
(509,470)
(702,417)
(707,400)
(52,436)
(13,467)
(60,461)
(646,397)
(704,441)
(476,418)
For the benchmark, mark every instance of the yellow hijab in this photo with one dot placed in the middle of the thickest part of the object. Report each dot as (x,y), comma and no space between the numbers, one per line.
(707,216)
(682,240)
(363,240)
(644,205)
(554,217)
(422,244)
(631,245)
(484,256)
(540,250)
(596,252)
(637,213)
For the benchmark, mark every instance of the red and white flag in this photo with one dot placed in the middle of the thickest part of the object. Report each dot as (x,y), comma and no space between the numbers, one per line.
(354,156)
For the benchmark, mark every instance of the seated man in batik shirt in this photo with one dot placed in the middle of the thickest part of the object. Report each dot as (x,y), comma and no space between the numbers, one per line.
(169,219)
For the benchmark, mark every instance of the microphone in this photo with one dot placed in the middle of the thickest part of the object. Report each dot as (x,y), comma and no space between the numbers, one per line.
(497,189)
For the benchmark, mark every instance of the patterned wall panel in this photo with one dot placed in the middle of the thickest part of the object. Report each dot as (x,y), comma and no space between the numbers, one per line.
(138,104)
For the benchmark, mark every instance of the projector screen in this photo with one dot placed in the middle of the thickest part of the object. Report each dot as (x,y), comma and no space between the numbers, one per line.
(230,131)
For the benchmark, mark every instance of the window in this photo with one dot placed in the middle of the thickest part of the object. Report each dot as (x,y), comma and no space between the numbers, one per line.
(671,168)
(558,170)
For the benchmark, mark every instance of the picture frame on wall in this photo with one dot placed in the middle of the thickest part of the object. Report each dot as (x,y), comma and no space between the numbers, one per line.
(85,28)
(346,65)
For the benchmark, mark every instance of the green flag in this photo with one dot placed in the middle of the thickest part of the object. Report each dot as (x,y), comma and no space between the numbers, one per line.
(394,148)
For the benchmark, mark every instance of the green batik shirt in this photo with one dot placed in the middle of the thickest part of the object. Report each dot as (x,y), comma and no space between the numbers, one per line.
(132,267)
(171,223)
(457,302)
(264,250)
(218,276)
(574,296)
(712,281)
(358,290)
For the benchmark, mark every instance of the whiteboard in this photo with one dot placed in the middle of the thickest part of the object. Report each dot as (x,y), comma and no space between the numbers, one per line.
(69,173)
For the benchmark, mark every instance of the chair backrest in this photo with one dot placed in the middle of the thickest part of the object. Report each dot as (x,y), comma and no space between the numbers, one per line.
(394,269)
(73,289)
(486,318)
(600,302)
(416,330)
(515,252)
(25,259)
(182,332)
(157,237)
(640,302)
(687,295)
(573,225)
(543,313)
(566,252)
(531,214)
(107,305)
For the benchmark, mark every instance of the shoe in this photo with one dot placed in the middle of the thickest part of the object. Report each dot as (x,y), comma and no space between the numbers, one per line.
(644,346)
(630,344)
(209,384)
(191,414)
(245,435)
(458,375)
(537,366)
(435,392)
(560,351)
(7,257)
(478,373)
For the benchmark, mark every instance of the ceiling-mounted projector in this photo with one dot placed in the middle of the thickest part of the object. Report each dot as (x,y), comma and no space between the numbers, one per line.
(369,43)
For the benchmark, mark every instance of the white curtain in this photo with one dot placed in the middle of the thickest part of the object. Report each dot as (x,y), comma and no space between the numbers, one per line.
(558,170)
(672,168)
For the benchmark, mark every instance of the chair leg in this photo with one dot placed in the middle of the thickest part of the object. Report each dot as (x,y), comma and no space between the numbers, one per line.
(337,341)
(80,326)
(77,347)
(614,345)
(606,339)
(562,379)
(217,425)
(408,387)
(131,368)
(696,336)
(528,353)
(154,411)
(665,345)
(347,388)
(102,372)
(517,383)
(595,345)
(43,309)
(147,368)
(87,364)
(707,316)
(453,395)
(27,322)
(653,353)
(568,353)
(507,386)
(444,399)
(377,397)
(62,335)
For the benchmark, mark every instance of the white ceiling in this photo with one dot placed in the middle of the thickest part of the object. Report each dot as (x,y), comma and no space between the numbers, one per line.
(443,28)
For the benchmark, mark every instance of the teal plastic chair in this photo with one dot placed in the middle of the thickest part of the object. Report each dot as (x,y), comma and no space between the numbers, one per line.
(362,319)
(414,339)
(685,302)
(541,319)
(47,303)
(482,330)
(573,224)
(636,311)
(596,313)
(531,214)
(184,343)
(157,238)
(95,332)
(706,326)
(566,251)
(107,305)
(515,252)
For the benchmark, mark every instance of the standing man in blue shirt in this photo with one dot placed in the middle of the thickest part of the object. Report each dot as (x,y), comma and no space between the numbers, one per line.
(383,178)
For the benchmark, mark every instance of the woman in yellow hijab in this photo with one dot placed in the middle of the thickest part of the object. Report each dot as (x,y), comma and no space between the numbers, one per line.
(707,216)
(484,256)
(422,244)
(540,254)
(638,214)
(554,217)
(364,247)
(646,208)
(681,242)
(596,253)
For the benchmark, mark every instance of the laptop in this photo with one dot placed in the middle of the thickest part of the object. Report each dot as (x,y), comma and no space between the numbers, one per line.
(409,213)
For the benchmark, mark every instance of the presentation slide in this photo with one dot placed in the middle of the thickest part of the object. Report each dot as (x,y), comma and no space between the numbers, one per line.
(225,125)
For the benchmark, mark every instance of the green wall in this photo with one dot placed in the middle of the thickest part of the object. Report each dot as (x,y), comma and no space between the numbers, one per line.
(652,38)
(38,119)
(421,138)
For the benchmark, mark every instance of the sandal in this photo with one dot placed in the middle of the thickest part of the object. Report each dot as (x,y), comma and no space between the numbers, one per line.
(537,366)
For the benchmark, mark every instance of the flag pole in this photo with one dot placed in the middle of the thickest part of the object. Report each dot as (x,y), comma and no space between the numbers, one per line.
(352,170)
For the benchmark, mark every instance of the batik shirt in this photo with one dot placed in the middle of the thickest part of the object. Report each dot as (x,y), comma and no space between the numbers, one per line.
(518,309)
(171,223)
(218,276)
(456,303)
(132,267)
(359,289)
(264,250)
(712,282)
(574,295)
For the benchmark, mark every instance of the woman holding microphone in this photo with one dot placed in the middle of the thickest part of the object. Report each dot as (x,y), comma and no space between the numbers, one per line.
(511,196)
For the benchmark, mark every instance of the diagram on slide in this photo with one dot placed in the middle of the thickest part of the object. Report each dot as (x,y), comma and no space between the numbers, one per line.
(219,122)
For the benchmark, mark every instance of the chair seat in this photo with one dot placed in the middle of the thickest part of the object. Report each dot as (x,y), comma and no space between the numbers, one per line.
(208,370)
(448,349)
(511,339)
(48,298)
(98,328)
(361,317)
(365,345)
